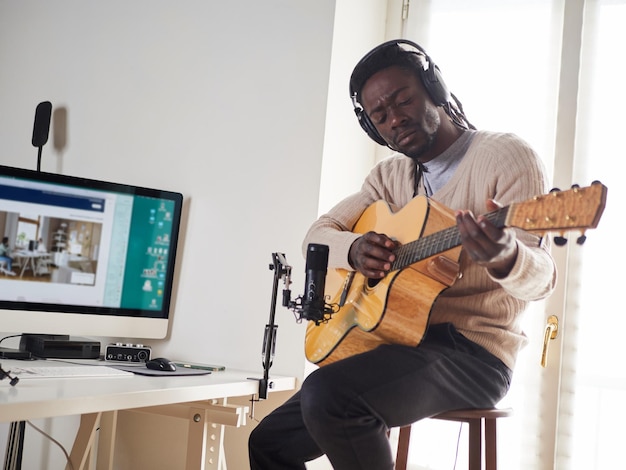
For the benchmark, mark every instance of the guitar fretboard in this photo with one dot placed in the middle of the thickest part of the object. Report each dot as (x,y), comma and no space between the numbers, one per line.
(438,242)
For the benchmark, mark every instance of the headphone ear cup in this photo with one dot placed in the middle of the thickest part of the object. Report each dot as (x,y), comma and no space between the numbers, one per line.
(368,126)
(434,84)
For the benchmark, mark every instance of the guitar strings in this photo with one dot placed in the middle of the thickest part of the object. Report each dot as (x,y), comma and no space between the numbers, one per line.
(438,242)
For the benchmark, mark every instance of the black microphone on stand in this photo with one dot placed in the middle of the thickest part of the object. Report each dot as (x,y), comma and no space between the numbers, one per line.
(313,305)
(41,128)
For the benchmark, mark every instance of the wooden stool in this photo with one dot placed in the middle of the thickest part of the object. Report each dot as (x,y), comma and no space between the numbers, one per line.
(475,418)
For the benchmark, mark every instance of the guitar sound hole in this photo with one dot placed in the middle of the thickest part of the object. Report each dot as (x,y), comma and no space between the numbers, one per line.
(371,283)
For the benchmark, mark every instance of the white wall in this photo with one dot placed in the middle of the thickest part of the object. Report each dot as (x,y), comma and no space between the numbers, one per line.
(222,101)
(349,154)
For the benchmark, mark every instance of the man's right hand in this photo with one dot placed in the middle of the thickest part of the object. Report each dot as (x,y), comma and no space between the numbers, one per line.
(372,254)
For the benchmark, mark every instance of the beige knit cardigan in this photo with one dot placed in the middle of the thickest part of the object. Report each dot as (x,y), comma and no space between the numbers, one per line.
(485,309)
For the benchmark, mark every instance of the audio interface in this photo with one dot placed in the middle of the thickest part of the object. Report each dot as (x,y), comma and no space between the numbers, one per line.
(120,352)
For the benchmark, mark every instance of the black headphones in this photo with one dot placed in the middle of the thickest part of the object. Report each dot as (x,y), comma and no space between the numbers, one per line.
(429,74)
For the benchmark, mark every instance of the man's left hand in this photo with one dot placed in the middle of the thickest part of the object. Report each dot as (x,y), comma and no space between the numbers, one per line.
(489,246)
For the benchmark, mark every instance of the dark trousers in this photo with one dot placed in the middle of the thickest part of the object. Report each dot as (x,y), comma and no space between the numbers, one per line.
(345,409)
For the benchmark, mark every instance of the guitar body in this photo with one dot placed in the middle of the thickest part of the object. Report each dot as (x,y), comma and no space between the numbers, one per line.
(395,309)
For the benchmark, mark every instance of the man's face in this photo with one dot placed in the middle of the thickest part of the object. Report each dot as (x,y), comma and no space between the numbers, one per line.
(402,112)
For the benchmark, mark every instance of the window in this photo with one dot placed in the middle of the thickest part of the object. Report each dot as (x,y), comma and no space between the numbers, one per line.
(598,386)
(27,230)
(549,71)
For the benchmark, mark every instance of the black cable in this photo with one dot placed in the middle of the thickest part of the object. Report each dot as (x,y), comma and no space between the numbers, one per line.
(11,336)
(54,441)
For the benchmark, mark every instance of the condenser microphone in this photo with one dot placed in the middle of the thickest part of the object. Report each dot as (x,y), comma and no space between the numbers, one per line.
(313,304)
(41,128)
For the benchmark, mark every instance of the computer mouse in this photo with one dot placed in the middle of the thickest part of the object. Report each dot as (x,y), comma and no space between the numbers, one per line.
(161,363)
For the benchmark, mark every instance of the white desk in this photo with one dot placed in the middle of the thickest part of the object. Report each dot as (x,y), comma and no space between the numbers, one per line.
(31,257)
(99,399)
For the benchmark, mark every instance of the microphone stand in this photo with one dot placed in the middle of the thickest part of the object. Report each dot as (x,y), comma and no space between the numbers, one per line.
(281,270)
(40,149)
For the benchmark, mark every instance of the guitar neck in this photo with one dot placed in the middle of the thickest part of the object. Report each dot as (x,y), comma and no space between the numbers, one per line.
(439,242)
(559,211)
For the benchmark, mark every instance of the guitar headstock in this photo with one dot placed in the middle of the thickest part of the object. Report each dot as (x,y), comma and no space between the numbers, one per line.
(560,211)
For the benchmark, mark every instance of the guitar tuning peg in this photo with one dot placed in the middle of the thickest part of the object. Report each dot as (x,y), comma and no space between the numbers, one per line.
(580,240)
(575,186)
(555,190)
(560,241)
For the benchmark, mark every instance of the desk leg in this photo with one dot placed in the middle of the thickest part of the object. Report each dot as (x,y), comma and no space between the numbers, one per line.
(106,441)
(83,444)
(205,442)
(206,421)
(15,446)
(24,266)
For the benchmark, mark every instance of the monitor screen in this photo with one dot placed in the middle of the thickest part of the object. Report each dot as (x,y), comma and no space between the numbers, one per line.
(85,257)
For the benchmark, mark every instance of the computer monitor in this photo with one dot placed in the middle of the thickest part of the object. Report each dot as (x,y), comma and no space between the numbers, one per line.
(86,257)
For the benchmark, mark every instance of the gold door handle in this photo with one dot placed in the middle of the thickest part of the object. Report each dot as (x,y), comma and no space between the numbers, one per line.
(551,332)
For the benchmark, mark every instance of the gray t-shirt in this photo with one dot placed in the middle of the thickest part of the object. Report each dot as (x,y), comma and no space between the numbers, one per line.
(437,172)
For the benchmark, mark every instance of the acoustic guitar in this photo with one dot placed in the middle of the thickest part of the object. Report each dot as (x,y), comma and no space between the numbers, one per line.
(396,309)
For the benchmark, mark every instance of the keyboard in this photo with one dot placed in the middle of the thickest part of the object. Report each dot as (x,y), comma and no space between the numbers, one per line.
(68,371)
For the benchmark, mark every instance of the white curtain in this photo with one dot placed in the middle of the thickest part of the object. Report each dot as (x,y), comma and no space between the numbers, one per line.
(550,71)
(592,438)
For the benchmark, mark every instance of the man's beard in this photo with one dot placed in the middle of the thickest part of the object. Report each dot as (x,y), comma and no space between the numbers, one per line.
(428,129)
(417,153)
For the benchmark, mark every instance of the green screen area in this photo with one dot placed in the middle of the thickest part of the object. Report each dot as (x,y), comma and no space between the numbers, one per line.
(148,254)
